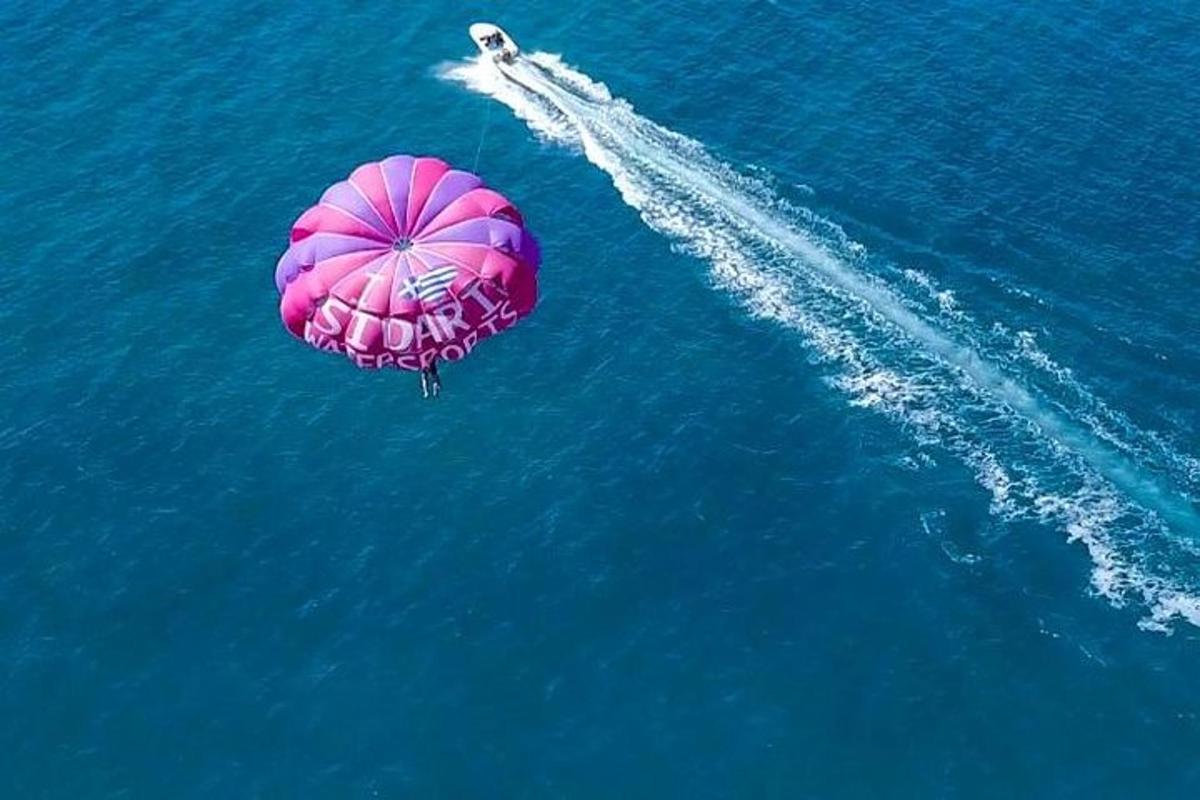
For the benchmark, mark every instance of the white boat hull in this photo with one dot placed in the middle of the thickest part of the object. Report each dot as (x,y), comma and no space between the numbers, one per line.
(493,42)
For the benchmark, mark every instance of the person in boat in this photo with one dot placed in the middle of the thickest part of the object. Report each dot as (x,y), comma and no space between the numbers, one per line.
(431,382)
(494,41)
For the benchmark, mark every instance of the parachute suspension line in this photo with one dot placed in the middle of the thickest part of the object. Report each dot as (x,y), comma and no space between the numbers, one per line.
(487,121)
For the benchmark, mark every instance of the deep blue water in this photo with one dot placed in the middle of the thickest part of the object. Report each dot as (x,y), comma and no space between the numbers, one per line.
(853,450)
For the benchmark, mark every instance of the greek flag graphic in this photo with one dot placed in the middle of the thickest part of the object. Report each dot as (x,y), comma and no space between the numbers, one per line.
(429,286)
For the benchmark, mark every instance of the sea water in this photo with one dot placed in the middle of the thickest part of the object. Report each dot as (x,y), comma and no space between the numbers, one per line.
(853,449)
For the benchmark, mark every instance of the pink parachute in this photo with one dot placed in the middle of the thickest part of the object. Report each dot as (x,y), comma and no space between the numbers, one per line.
(406,262)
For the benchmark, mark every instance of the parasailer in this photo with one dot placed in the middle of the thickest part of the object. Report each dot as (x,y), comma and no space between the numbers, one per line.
(431,382)
(405,263)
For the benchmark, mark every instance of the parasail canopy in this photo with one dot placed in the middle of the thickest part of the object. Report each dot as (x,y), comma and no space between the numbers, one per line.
(406,262)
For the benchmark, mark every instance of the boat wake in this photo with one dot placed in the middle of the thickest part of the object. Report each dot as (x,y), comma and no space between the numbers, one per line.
(1039,441)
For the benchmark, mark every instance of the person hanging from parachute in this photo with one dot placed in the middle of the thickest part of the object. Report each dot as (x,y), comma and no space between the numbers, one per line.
(431,382)
(406,263)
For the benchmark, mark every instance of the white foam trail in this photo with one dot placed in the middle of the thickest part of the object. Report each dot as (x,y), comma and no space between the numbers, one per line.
(1058,386)
(930,374)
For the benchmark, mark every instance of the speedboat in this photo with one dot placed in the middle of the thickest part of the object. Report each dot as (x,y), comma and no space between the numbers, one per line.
(492,41)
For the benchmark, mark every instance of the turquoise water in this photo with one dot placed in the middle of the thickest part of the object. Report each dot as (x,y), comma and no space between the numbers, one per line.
(852,451)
